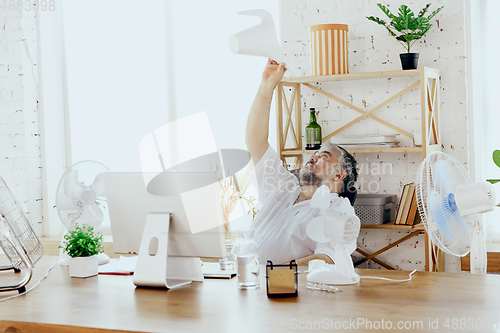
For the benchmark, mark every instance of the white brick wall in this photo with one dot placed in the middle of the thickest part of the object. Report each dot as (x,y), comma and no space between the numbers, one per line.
(20,163)
(371,48)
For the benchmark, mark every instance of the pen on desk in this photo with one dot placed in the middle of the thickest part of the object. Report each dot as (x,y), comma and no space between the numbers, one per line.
(117,273)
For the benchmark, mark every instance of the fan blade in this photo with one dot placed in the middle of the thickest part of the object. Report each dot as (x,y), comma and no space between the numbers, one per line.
(316,230)
(321,198)
(98,186)
(441,174)
(68,210)
(72,187)
(91,215)
(441,214)
(448,221)
(65,204)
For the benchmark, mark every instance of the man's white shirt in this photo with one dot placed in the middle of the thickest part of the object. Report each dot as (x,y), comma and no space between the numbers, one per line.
(280,226)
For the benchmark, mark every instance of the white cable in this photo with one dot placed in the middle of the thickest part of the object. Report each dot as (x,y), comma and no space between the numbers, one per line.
(36,285)
(381,278)
(332,289)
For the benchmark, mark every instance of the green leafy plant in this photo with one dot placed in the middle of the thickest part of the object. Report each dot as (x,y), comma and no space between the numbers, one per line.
(82,242)
(405,27)
(496,160)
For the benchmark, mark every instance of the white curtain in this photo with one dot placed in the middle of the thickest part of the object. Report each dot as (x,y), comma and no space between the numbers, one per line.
(115,71)
(483,52)
(133,66)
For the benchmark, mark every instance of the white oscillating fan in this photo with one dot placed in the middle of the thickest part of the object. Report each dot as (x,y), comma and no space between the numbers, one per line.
(81,198)
(333,225)
(449,206)
(17,238)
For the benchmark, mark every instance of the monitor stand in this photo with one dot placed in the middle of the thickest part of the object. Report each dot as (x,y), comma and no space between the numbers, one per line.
(154,267)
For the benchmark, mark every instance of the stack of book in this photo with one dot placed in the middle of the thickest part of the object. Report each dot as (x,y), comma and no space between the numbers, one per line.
(408,210)
(366,141)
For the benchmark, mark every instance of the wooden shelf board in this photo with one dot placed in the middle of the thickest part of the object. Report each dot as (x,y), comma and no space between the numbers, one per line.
(354,76)
(391,225)
(294,152)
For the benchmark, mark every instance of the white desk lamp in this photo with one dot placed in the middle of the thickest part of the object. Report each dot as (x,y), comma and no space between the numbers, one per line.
(332,225)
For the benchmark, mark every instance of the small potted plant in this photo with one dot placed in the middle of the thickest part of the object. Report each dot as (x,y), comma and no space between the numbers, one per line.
(83,245)
(496,160)
(407,29)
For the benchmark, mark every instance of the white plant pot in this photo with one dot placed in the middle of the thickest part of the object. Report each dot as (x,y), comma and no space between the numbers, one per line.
(83,267)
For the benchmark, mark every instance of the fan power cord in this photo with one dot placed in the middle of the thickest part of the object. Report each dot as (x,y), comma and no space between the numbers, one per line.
(382,278)
(36,285)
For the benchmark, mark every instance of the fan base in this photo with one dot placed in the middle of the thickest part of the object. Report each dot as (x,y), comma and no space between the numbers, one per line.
(328,274)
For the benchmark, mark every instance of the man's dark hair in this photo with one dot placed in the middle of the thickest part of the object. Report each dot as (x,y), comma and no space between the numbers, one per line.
(348,164)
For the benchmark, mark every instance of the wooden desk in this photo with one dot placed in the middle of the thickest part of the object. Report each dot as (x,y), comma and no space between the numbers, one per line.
(112,302)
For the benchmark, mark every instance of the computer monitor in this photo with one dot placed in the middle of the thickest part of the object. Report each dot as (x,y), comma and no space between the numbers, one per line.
(130,205)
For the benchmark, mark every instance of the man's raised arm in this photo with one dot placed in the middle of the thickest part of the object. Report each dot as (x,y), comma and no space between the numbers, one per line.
(257,131)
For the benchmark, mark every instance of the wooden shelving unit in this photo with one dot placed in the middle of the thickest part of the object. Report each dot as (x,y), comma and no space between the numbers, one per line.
(289,122)
(393,226)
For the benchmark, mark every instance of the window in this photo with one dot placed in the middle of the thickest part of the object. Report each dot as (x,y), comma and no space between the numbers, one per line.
(130,67)
(135,66)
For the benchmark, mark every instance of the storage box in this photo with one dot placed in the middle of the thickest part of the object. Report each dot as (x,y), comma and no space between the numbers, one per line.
(329,55)
(375,209)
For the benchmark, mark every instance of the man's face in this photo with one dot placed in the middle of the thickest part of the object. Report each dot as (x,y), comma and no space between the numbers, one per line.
(322,166)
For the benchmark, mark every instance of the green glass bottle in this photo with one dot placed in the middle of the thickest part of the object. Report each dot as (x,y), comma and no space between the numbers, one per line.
(313,132)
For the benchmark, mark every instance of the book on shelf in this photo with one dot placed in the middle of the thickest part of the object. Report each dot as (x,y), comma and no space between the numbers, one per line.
(404,193)
(413,212)
(417,219)
(405,203)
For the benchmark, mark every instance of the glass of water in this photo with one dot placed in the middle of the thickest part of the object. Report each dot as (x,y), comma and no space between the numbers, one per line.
(248,262)
(248,271)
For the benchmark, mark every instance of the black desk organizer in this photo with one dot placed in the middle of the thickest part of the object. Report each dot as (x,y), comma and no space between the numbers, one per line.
(282,280)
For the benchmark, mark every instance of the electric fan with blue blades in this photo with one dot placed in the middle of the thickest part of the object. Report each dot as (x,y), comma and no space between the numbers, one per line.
(450,205)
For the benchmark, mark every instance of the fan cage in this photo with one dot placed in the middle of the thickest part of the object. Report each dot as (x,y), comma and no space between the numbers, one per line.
(70,210)
(429,180)
(24,238)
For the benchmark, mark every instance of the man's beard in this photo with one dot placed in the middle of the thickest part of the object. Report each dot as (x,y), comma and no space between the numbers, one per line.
(309,177)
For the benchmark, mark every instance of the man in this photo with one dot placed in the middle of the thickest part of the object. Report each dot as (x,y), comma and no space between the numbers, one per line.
(280,226)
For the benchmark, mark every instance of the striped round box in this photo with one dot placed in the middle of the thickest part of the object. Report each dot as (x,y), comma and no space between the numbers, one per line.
(329,54)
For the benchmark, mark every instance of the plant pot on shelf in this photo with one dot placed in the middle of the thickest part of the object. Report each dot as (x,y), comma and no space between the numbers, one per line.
(83,267)
(409,60)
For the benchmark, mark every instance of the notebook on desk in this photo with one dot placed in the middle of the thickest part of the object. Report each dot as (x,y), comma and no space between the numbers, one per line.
(121,266)
(211,270)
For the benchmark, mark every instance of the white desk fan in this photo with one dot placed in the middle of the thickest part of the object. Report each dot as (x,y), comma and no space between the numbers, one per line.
(449,206)
(81,198)
(17,238)
(342,229)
